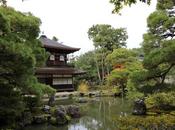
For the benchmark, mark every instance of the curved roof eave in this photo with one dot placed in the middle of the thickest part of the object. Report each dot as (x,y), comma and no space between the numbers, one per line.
(48,43)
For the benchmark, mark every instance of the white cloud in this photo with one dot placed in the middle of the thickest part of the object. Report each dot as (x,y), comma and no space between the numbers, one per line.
(69,20)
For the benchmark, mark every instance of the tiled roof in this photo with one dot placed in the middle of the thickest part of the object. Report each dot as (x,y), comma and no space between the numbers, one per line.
(48,43)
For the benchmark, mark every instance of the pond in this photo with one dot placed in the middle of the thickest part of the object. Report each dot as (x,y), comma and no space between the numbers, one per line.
(99,115)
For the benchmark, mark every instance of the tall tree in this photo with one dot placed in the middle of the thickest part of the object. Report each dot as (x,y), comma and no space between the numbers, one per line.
(159,46)
(20,53)
(106,39)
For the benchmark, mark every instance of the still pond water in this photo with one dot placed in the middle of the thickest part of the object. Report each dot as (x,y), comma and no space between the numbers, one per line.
(99,115)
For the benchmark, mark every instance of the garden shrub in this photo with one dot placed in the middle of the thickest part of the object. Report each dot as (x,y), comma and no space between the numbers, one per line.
(161,100)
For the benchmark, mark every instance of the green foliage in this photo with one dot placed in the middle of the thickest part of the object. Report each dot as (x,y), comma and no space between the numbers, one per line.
(161,58)
(159,47)
(161,100)
(161,4)
(12,80)
(4,26)
(118,77)
(11,106)
(162,122)
(31,101)
(41,89)
(159,22)
(150,42)
(133,92)
(121,56)
(105,36)
(87,63)
(119,4)
(20,53)
(165,4)
(129,63)
(105,39)
(116,90)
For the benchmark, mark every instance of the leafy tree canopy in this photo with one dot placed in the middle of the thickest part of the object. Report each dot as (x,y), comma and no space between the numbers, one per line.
(121,56)
(158,46)
(106,37)
(18,38)
(87,62)
(20,53)
(161,4)
(119,4)
(128,61)
(165,4)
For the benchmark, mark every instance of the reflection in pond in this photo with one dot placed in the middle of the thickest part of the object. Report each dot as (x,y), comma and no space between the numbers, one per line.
(99,114)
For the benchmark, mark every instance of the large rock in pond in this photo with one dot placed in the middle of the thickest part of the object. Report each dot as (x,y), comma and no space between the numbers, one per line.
(139,107)
(73,111)
(46,109)
(60,116)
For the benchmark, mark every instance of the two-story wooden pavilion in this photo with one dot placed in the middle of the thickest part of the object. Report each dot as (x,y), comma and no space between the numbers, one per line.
(57,73)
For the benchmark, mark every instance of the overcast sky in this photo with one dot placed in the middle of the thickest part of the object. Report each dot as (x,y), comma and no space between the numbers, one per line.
(69,20)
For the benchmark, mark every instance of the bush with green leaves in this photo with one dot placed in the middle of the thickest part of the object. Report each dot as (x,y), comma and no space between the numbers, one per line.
(161,122)
(161,100)
(128,62)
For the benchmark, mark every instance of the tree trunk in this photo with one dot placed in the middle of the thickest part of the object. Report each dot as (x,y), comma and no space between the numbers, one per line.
(97,66)
(165,74)
(107,68)
(102,68)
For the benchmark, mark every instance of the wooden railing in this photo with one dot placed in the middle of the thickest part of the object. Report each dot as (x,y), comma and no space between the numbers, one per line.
(58,63)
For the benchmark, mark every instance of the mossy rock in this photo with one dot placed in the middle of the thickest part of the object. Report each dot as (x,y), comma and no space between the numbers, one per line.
(73,111)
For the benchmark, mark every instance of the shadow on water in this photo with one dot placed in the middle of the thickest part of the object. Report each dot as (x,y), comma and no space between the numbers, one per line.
(99,115)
